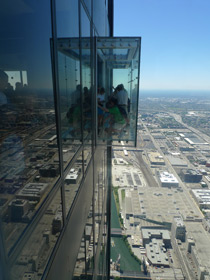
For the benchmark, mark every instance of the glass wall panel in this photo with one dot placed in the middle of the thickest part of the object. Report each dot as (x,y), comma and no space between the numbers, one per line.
(67,18)
(88,5)
(84,266)
(99,13)
(28,141)
(103,219)
(118,69)
(80,267)
(87,90)
(107,25)
(106,262)
(32,260)
(97,213)
(99,195)
(70,96)
(89,232)
(69,76)
(87,155)
(72,182)
(101,263)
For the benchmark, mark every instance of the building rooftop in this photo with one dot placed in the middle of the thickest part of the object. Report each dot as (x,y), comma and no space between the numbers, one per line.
(176,161)
(166,177)
(156,158)
(202,242)
(191,171)
(202,196)
(195,141)
(148,233)
(156,253)
(32,191)
(179,221)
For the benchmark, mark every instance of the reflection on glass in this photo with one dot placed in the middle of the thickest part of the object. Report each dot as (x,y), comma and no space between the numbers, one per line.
(36,252)
(100,193)
(70,96)
(85,260)
(88,5)
(66,18)
(87,90)
(72,182)
(101,263)
(28,141)
(87,103)
(99,200)
(89,233)
(118,78)
(87,155)
(97,214)
(99,16)
(79,269)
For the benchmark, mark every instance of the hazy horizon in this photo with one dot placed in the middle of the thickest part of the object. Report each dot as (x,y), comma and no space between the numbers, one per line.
(174,93)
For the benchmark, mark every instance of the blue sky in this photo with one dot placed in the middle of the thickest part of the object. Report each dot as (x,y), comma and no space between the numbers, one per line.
(175,41)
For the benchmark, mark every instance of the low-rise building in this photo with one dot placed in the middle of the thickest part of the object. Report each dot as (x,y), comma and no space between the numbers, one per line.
(17,209)
(149,233)
(32,191)
(191,175)
(49,170)
(57,223)
(156,158)
(156,253)
(136,241)
(168,180)
(72,177)
(133,208)
(202,197)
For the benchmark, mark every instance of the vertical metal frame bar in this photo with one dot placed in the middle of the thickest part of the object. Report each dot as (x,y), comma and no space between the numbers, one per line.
(106,261)
(57,102)
(139,58)
(109,189)
(94,128)
(92,64)
(81,83)
(93,58)
(111,16)
(95,88)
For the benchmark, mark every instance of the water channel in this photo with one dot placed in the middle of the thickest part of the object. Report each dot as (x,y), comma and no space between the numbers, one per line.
(118,246)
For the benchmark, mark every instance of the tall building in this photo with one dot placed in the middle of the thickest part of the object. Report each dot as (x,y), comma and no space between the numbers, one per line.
(56,58)
(178,229)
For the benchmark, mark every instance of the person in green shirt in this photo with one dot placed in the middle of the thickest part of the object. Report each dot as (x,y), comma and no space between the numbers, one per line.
(113,119)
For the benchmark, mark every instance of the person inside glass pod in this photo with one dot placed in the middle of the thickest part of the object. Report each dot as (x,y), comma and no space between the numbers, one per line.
(122,101)
(113,119)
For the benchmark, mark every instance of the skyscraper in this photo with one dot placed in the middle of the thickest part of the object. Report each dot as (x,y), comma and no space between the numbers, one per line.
(54,157)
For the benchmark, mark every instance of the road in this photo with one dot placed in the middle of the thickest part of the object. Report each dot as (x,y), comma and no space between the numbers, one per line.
(178,118)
